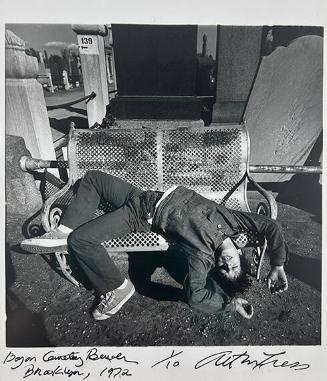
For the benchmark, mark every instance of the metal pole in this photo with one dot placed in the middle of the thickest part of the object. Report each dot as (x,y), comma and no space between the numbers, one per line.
(285,169)
(30,164)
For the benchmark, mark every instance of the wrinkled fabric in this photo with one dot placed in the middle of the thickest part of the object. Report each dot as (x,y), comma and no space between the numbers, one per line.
(199,226)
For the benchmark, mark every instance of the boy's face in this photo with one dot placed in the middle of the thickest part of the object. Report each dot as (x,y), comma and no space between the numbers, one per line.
(228,262)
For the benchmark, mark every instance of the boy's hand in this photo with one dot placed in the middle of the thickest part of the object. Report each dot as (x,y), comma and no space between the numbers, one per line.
(277,280)
(243,307)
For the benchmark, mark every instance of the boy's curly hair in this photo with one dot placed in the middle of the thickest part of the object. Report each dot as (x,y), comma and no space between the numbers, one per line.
(238,285)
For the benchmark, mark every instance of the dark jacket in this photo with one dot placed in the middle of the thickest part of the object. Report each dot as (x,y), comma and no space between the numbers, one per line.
(199,226)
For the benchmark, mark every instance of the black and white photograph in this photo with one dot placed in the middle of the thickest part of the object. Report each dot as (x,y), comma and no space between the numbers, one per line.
(163,186)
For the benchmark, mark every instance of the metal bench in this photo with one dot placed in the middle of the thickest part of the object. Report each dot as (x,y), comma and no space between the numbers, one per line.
(213,161)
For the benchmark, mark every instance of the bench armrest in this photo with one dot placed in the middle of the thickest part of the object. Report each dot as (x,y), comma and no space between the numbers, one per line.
(272,204)
(46,214)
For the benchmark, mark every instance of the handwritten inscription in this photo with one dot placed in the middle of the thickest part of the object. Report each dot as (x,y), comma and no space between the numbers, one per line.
(32,370)
(94,354)
(229,359)
(76,360)
(168,360)
(17,361)
(72,356)
(77,364)
(114,372)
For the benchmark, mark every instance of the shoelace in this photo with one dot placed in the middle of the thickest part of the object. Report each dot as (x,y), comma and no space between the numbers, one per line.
(105,300)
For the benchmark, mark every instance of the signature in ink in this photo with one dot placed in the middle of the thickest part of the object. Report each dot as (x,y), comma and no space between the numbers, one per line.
(229,359)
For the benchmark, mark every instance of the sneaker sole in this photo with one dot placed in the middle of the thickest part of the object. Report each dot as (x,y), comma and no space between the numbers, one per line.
(47,249)
(117,308)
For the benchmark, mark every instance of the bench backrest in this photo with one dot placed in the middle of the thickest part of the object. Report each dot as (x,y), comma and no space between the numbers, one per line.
(210,160)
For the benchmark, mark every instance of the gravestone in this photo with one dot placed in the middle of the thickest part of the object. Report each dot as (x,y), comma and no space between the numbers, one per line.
(65,79)
(284,112)
(238,54)
(155,72)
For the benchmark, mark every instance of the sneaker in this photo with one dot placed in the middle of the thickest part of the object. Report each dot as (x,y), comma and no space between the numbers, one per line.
(55,240)
(113,301)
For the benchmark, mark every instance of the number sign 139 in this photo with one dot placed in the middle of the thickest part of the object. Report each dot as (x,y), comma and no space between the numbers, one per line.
(88,44)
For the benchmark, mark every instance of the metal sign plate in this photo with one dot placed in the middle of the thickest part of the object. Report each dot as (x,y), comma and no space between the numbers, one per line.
(88,44)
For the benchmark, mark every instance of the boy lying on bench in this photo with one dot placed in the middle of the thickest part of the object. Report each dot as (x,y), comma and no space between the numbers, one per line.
(204,231)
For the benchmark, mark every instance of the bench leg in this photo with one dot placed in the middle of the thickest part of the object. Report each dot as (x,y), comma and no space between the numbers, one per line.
(64,267)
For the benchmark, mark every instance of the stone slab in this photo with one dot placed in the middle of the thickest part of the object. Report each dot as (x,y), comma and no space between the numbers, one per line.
(155,59)
(26,116)
(133,123)
(26,113)
(237,62)
(228,112)
(284,112)
(238,58)
(188,108)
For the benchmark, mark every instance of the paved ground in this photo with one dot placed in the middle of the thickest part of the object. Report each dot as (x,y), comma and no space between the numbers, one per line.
(60,118)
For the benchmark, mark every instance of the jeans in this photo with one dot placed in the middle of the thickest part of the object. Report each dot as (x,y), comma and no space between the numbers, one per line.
(88,233)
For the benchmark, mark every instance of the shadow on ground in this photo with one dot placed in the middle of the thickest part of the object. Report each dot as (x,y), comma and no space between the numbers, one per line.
(143,265)
(24,328)
(63,125)
(307,270)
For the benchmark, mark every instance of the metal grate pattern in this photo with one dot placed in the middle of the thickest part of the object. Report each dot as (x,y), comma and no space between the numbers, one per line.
(231,203)
(65,199)
(134,241)
(130,155)
(137,242)
(206,160)
(248,239)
